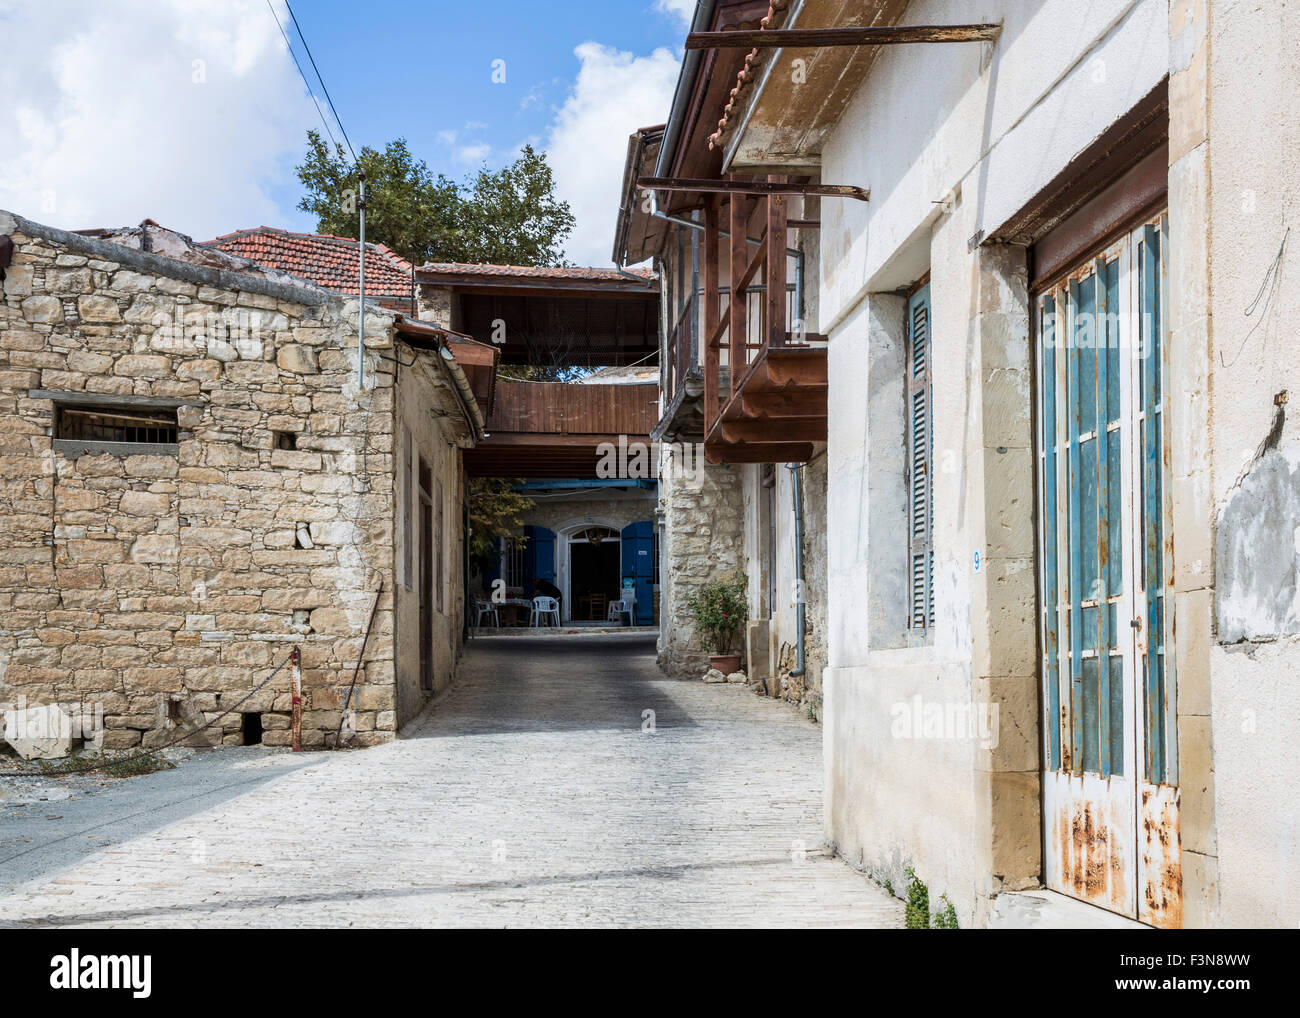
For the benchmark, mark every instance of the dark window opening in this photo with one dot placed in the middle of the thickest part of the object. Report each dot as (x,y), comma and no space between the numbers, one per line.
(284,440)
(252,725)
(105,424)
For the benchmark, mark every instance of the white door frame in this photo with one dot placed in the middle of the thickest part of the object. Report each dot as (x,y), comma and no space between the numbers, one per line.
(563,567)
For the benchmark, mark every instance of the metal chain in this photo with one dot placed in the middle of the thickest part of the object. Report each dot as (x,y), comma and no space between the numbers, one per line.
(158,749)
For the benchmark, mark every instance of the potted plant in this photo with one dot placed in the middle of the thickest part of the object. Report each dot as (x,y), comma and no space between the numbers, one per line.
(720,609)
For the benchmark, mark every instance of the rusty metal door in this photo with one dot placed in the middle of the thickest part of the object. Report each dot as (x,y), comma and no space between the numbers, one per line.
(1110,796)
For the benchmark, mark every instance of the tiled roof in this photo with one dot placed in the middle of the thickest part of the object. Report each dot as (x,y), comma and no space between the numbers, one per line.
(775,17)
(548,272)
(326,260)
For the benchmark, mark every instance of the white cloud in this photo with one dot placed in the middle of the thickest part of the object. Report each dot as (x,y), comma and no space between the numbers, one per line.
(682,10)
(473,153)
(615,93)
(185,111)
(463,150)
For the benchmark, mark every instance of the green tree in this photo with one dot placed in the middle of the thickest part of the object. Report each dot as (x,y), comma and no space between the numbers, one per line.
(512,217)
(495,510)
(508,216)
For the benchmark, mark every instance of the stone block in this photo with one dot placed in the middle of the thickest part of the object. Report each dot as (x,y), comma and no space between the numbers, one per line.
(301,360)
(43,309)
(40,733)
(98,309)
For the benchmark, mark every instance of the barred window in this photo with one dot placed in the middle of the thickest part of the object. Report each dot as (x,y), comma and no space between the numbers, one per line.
(109,424)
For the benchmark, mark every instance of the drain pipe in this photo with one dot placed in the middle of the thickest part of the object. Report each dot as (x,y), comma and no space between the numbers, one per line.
(796,478)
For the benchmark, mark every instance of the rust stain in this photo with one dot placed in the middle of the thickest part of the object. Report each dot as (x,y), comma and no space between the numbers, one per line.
(1162,869)
(1088,861)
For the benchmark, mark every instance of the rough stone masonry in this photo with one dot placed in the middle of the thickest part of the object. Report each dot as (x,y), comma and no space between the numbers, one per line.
(162,582)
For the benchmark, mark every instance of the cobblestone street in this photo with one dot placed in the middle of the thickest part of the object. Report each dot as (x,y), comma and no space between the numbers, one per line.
(529,795)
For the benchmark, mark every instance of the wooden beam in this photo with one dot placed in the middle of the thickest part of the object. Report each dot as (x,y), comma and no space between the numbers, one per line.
(814,38)
(798,429)
(704,185)
(765,452)
(738,314)
(777,405)
(552,440)
(712,314)
(774,298)
(800,371)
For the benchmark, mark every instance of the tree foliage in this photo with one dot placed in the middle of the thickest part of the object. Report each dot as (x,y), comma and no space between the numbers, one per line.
(495,510)
(508,216)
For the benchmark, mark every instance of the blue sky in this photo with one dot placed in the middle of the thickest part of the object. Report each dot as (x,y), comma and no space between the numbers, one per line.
(191,112)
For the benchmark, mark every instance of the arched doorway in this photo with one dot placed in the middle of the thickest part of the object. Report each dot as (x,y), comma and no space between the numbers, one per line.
(587,554)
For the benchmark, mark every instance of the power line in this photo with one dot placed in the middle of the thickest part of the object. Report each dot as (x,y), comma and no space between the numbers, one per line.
(337,118)
(310,91)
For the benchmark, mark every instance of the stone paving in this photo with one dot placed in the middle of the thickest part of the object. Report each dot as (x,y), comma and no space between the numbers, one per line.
(530,794)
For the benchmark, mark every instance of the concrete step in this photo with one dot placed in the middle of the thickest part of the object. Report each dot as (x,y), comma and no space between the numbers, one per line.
(1049,910)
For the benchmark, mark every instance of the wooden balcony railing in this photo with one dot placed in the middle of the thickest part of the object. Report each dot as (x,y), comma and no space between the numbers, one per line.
(764,385)
(683,349)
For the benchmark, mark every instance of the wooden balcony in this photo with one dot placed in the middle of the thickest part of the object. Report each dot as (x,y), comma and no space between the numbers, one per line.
(555,429)
(767,402)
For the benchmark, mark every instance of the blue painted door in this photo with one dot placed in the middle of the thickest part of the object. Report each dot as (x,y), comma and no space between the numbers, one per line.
(638,564)
(539,557)
(1109,695)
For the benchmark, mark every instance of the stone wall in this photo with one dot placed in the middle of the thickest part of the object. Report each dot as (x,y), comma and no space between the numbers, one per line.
(425,412)
(702,540)
(165,582)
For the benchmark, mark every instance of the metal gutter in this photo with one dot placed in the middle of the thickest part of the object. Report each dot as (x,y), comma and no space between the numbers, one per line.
(685,86)
(796,478)
(466,393)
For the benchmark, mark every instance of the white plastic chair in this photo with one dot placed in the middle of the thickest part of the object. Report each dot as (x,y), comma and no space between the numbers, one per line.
(545,607)
(617,609)
(486,609)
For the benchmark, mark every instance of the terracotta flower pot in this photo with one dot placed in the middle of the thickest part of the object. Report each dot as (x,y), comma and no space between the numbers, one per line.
(725,663)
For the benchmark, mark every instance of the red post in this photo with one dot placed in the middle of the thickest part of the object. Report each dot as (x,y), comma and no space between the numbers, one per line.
(295,690)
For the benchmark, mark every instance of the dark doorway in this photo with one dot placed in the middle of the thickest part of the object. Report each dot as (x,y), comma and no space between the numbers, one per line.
(426,576)
(593,578)
(252,728)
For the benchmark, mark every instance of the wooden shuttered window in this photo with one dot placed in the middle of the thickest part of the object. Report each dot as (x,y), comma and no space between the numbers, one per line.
(920,464)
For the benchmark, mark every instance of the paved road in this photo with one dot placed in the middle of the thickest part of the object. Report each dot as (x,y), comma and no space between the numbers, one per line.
(528,796)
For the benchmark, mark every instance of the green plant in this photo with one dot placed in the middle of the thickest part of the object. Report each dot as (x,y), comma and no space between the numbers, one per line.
(946,917)
(720,609)
(918,902)
(131,765)
(917,915)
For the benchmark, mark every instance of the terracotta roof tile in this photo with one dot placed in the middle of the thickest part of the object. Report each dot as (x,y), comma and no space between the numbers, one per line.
(775,17)
(326,260)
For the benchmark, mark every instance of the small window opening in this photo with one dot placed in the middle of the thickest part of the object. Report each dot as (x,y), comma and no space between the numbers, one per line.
(252,725)
(107,424)
(174,711)
(284,440)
